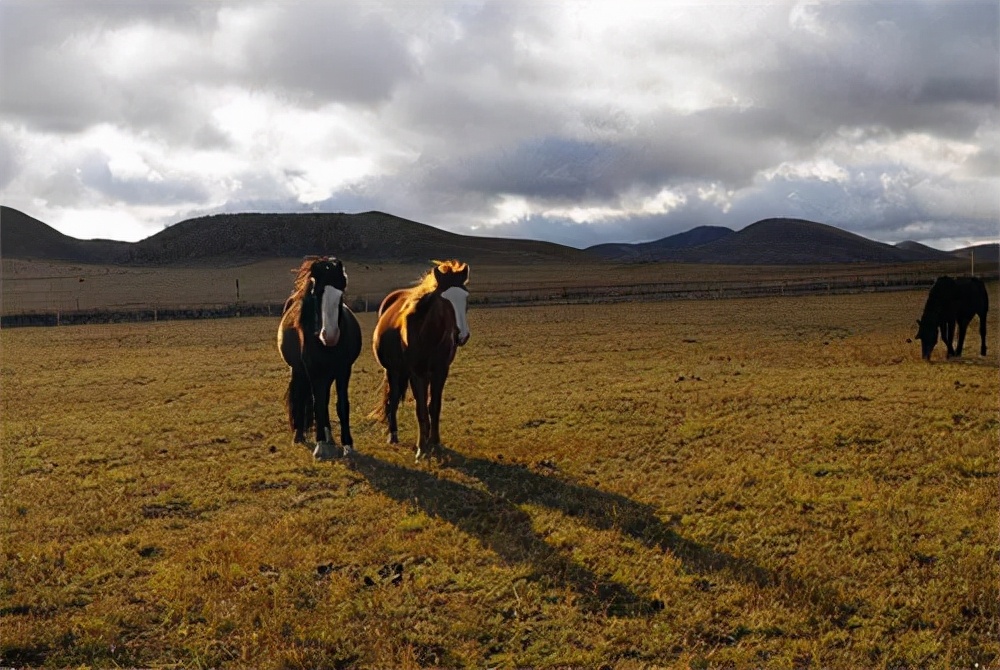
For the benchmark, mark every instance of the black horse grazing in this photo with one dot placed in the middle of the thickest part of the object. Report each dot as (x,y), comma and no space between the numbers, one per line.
(950,302)
(416,337)
(319,338)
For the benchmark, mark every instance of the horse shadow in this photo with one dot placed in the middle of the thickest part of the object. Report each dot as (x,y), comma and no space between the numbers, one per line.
(505,529)
(604,510)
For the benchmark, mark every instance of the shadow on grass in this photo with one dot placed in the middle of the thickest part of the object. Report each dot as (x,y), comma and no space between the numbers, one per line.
(966,360)
(516,484)
(502,527)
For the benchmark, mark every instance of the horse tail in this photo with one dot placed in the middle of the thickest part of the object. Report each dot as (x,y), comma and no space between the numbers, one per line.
(378,414)
(288,403)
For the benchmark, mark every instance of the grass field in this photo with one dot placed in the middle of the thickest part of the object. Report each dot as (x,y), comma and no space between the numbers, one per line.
(774,483)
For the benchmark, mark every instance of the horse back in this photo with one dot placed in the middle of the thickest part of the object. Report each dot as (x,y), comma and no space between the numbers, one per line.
(390,300)
(942,301)
(972,297)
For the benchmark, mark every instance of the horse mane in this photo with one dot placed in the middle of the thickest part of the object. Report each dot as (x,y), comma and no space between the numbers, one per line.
(425,286)
(301,288)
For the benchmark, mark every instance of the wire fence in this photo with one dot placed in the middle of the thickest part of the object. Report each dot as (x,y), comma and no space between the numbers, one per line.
(55,301)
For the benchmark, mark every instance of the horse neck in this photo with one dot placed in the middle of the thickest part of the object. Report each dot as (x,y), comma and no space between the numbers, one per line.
(427,313)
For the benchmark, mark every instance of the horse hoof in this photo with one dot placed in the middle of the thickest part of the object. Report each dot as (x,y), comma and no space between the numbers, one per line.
(393,438)
(348,449)
(325,451)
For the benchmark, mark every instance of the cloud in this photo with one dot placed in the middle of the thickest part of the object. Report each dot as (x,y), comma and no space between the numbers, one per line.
(577,122)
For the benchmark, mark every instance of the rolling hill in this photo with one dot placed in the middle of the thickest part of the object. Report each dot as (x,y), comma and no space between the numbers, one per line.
(662,248)
(983,252)
(236,238)
(930,252)
(794,242)
(383,238)
(22,236)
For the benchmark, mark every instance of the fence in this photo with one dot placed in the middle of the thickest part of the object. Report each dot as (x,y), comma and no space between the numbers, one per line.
(56,309)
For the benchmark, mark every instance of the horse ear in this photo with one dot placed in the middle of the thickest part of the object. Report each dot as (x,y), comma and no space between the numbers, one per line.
(438,275)
(465,274)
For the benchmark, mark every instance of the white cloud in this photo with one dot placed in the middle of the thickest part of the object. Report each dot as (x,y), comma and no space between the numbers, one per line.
(581,121)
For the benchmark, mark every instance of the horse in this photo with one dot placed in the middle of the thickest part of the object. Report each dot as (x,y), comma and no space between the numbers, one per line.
(418,333)
(319,338)
(952,301)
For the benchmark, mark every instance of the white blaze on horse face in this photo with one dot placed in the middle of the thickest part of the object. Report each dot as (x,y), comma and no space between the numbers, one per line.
(459,299)
(329,334)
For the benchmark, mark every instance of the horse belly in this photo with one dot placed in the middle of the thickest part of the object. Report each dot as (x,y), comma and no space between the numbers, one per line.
(288,346)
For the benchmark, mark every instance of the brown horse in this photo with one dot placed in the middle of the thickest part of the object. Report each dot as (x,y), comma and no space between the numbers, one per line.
(319,338)
(416,337)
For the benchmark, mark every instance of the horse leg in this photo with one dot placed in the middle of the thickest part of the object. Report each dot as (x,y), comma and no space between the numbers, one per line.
(299,395)
(397,389)
(947,333)
(962,326)
(344,411)
(324,435)
(437,389)
(419,387)
(982,332)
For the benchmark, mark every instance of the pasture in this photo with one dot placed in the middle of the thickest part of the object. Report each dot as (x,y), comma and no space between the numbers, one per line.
(776,482)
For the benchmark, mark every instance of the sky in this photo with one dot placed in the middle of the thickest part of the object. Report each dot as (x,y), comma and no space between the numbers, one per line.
(578,122)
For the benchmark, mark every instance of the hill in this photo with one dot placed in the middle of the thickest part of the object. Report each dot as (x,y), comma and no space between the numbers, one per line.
(238,238)
(22,236)
(383,238)
(930,252)
(983,252)
(795,242)
(660,249)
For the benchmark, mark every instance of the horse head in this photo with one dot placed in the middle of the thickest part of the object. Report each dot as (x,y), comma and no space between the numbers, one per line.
(927,333)
(452,278)
(322,304)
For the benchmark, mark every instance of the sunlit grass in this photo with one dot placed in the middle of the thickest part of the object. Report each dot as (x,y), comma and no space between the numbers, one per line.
(763,483)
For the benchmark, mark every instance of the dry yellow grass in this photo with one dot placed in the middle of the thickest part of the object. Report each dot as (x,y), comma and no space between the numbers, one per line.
(740,483)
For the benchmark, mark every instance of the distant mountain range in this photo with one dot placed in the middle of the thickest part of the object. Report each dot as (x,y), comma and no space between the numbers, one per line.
(380,237)
(771,242)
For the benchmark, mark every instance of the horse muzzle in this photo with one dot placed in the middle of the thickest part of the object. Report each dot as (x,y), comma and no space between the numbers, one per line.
(329,340)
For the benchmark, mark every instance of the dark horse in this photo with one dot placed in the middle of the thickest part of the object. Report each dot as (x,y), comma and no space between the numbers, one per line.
(950,302)
(416,337)
(319,338)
